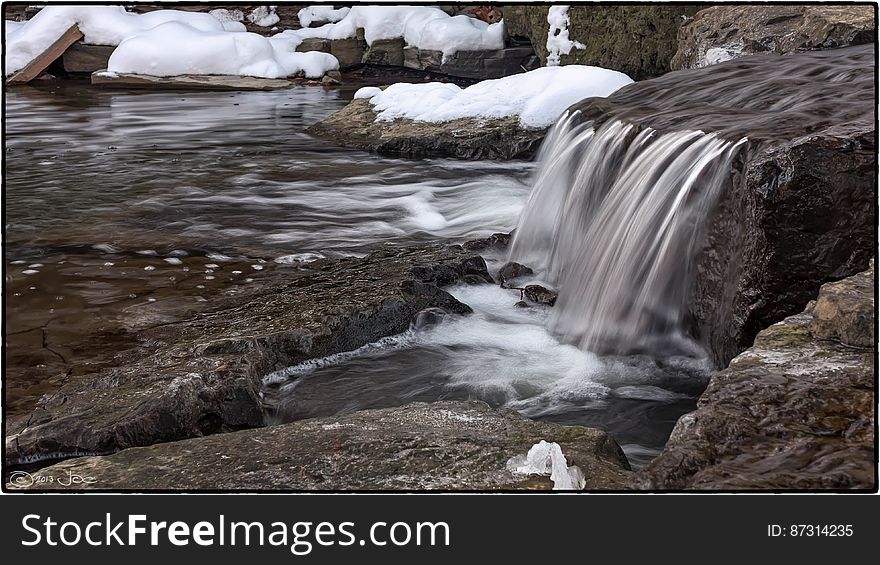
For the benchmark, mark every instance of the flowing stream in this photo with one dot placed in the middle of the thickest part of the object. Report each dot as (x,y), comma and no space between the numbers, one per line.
(131,209)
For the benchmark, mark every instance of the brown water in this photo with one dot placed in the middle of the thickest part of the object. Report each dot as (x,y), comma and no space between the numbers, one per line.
(129,210)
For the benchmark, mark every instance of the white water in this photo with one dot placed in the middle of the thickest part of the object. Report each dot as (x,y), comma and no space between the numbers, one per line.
(615,220)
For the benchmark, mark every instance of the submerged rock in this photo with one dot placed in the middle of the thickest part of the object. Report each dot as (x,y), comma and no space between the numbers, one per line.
(795,411)
(721,33)
(513,270)
(465,138)
(444,445)
(203,375)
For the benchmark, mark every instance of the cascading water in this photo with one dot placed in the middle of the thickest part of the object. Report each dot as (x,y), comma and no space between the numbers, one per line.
(614,220)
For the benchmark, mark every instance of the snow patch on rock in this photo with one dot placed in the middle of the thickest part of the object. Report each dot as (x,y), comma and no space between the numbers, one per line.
(320,14)
(558,41)
(547,459)
(538,97)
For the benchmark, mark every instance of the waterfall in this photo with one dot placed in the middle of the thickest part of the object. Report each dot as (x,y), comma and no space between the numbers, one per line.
(614,220)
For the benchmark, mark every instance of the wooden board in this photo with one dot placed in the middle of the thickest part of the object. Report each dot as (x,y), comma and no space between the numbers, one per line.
(83,58)
(44,59)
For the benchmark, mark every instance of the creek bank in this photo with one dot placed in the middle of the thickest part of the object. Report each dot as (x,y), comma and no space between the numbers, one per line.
(794,411)
(442,445)
(203,375)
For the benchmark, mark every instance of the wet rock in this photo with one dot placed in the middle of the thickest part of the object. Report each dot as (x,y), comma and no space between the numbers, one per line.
(513,270)
(799,209)
(522,304)
(203,375)
(429,317)
(332,78)
(495,242)
(637,40)
(722,33)
(445,445)
(791,412)
(540,295)
(844,311)
(466,138)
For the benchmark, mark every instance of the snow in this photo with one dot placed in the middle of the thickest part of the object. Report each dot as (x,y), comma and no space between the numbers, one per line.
(538,97)
(231,19)
(320,14)
(558,41)
(264,16)
(11,26)
(717,55)
(547,459)
(166,43)
(420,26)
(367,92)
(173,49)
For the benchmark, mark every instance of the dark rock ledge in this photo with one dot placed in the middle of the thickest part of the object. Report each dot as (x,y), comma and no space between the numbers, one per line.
(444,445)
(795,411)
(203,375)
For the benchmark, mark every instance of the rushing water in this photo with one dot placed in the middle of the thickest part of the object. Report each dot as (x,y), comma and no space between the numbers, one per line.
(128,210)
(614,219)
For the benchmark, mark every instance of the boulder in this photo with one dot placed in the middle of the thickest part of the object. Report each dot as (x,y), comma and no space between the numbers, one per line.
(540,295)
(795,411)
(385,52)
(726,32)
(203,375)
(466,138)
(513,270)
(637,40)
(844,311)
(445,445)
(798,210)
(314,44)
(349,52)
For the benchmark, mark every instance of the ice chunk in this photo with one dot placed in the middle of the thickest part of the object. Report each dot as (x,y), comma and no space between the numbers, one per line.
(547,459)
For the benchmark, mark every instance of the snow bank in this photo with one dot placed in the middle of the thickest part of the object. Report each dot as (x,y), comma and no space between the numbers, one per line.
(173,49)
(547,459)
(101,25)
(420,26)
(166,43)
(318,14)
(538,97)
(558,42)
(11,26)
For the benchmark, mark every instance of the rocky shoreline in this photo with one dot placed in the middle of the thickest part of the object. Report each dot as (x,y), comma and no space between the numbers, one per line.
(792,406)
(794,411)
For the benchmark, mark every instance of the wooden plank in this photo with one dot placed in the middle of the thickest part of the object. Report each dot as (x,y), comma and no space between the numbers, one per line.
(44,59)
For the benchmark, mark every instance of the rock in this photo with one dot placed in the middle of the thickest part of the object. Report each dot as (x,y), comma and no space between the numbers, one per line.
(478,65)
(791,412)
(522,304)
(349,52)
(445,445)
(188,82)
(385,52)
(540,295)
(314,44)
(203,375)
(514,270)
(799,210)
(726,32)
(844,311)
(465,138)
(637,40)
(84,58)
(332,78)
